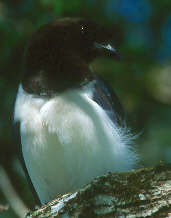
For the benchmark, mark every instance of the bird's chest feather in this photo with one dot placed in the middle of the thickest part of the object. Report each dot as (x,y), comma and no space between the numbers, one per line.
(68,140)
(59,124)
(59,140)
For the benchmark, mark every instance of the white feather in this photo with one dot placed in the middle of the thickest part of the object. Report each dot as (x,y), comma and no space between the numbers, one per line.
(67,140)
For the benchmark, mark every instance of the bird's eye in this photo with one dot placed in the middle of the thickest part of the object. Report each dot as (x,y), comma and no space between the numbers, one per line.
(82,29)
(87,32)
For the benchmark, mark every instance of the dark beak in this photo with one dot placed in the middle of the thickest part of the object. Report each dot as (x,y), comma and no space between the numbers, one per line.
(106,50)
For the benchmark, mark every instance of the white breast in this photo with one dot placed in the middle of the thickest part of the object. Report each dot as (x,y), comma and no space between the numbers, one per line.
(68,140)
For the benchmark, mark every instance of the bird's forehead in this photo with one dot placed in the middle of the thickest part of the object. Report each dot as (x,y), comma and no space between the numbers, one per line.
(71,25)
(80,27)
(70,22)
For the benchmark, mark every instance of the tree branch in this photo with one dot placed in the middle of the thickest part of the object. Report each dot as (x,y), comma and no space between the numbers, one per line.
(139,193)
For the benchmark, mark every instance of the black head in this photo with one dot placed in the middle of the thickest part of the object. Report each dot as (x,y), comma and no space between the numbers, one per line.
(59,53)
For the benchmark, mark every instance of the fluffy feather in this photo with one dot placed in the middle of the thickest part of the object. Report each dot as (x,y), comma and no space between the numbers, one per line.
(74,135)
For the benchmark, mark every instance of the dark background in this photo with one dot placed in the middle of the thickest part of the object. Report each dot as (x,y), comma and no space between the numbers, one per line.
(142,79)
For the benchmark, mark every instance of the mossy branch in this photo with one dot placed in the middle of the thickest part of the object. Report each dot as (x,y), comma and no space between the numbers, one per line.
(139,193)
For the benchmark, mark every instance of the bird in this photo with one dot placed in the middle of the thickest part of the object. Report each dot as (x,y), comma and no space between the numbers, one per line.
(70,123)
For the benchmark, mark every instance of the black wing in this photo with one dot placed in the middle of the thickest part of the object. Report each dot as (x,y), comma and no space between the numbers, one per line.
(16,133)
(109,101)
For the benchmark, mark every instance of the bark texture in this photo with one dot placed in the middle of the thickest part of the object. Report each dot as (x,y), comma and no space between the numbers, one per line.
(139,193)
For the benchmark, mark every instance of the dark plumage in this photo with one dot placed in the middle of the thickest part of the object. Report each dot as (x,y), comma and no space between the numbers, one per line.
(59,53)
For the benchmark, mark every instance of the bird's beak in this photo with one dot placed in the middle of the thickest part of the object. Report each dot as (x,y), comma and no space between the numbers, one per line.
(106,50)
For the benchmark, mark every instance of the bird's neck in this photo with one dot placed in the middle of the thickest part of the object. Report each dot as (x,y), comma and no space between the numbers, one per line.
(50,82)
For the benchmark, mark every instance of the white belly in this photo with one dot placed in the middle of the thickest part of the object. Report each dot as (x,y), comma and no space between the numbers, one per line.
(67,141)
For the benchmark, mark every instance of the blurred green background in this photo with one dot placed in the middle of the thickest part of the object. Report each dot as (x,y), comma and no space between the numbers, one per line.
(142,80)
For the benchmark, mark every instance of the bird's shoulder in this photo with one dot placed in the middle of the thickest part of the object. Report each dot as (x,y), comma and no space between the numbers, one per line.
(105,96)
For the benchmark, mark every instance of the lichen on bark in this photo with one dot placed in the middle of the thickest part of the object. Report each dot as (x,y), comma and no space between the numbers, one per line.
(139,193)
